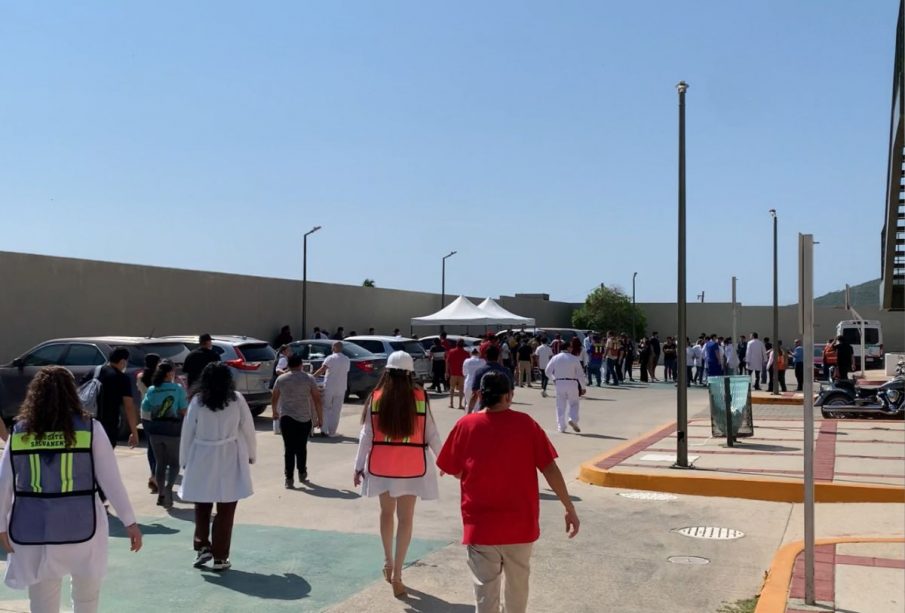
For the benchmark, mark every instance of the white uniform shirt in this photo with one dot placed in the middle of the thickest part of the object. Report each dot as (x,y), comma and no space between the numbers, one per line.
(730,355)
(756,354)
(544,354)
(697,353)
(689,356)
(338,366)
(470,367)
(565,366)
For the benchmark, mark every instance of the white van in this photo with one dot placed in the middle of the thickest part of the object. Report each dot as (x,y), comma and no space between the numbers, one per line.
(850,330)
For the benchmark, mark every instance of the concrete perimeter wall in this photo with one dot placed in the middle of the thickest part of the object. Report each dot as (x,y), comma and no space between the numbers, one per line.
(45,297)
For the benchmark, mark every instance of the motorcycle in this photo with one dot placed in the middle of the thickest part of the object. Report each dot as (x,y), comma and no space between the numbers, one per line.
(846,399)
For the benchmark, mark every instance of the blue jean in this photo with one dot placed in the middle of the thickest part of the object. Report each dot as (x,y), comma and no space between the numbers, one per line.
(611,371)
(594,370)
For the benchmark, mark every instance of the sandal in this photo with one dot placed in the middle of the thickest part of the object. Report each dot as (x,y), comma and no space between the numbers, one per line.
(398,589)
(388,572)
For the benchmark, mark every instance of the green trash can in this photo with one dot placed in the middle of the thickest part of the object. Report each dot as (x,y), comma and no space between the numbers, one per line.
(736,390)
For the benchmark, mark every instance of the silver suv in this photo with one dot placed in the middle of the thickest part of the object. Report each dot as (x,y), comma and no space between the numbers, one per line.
(385,345)
(250,360)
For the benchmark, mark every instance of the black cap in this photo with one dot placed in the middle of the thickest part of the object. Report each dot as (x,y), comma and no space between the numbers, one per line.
(205,338)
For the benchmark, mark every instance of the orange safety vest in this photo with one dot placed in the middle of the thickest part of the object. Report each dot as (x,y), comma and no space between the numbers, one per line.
(781,360)
(404,458)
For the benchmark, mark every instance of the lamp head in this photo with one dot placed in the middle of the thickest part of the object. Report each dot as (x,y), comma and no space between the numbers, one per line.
(772,212)
(682,86)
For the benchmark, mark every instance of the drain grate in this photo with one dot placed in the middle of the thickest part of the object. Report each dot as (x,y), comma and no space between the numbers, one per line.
(692,560)
(647,496)
(711,532)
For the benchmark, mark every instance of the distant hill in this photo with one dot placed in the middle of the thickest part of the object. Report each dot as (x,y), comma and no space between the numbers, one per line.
(865,294)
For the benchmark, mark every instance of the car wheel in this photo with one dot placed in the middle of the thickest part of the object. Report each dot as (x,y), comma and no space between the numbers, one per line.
(363,395)
(257,410)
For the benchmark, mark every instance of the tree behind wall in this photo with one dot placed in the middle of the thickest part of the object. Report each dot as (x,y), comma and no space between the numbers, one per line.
(608,308)
(368,283)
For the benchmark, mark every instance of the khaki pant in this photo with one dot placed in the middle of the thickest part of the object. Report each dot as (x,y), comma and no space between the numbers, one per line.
(524,373)
(488,564)
(456,389)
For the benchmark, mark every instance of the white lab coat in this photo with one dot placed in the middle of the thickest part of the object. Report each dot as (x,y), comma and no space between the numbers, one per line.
(756,355)
(215,451)
(730,356)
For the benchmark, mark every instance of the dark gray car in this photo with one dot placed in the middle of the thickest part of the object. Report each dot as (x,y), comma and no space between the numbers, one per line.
(81,356)
(365,369)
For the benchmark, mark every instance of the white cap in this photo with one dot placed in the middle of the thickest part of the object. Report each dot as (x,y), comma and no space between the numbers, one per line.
(400,360)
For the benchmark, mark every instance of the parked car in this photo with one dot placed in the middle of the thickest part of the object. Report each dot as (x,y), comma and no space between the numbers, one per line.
(364,373)
(383,346)
(470,341)
(80,356)
(251,362)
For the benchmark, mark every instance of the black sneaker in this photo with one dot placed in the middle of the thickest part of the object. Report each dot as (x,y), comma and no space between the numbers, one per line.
(204,556)
(220,565)
(161,502)
(289,484)
(303,476)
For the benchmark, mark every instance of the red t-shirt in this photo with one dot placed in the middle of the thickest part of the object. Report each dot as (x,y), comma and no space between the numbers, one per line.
(498,456)
(455,357)
(482,349)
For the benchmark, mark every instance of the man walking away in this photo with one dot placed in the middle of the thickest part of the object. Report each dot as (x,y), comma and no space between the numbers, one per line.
(845,356)
(524,363)
(741,349)
(628,357)
(336,367)
(670,351)
(612,349)
(543,354)
(756,358)
(297,404)
(566,371)
(595,360)
(655,355)
(798,356)
(438,365)
(116,397)
(500,446)
(455,360)
(198,359)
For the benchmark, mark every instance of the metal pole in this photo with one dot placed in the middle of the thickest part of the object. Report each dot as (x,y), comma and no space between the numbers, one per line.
(682,388)
(634,332)
(806,307)
(727,400)
(775,386)
(443,286)
(734,314)
(305,280)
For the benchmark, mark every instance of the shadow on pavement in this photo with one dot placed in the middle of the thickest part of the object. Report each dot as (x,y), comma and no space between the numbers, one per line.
(607,436)
(258,585)
(333,440)
(764,447)
(312,489)
(549,496)
(419,602)
(185,514)
(597,399)
(117,530)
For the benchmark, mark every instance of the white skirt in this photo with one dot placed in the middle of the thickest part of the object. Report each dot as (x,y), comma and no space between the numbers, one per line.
(424,487)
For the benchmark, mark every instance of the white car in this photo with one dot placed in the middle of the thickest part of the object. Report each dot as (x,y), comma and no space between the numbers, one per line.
(385,345)
(470,341)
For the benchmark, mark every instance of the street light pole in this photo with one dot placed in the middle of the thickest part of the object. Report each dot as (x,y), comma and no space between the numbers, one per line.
(775,387)
(682,388)
(634,332)
(305,280)
(443,280)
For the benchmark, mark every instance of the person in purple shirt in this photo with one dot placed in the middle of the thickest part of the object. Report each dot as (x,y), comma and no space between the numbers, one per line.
(714,363)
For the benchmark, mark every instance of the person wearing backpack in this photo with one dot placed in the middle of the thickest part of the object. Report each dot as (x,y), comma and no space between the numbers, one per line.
(162,411)
(115,396)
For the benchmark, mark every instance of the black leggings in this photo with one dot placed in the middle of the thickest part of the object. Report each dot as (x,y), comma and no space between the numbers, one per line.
(295,444)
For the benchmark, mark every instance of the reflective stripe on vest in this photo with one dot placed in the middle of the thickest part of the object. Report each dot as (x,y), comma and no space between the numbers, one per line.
(54,487)
(405,458)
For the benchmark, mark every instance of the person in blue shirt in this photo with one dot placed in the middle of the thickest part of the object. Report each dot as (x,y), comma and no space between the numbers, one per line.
(798,356)
(492,365)
(162,411)
(714,360)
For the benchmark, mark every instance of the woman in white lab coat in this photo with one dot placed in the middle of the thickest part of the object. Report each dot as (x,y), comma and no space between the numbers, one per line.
(217,446)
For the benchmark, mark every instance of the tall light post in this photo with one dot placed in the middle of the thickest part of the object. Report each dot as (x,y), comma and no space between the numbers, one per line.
(443,279)
(682,388)
(634,332)
(305,280)
(775,387)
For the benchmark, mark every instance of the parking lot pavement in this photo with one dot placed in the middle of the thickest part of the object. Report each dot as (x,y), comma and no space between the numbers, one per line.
(317,548)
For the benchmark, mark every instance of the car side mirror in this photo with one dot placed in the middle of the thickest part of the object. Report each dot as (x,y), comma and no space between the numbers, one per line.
(19,363)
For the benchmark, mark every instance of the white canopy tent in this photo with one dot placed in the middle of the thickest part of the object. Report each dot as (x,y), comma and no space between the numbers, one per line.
(502,316)
(461,312)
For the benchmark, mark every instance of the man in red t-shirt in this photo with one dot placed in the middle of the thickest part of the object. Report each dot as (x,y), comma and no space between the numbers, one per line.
(455,357)
(496,454)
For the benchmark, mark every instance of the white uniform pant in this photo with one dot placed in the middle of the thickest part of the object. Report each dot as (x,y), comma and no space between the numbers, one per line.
(44,596)
(333,405)
(488,565)
(566,397)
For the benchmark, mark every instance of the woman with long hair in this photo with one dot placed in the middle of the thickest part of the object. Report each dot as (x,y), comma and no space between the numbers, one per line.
(143,381)
(162,411)
(392,461)
(52,522)
(217,446)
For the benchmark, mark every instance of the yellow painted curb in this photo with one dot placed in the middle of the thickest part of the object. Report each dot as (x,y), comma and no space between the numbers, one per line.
(774,596)
(707,483)
(776,400)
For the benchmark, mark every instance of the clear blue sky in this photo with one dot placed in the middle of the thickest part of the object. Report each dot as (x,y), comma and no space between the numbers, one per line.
(538,139)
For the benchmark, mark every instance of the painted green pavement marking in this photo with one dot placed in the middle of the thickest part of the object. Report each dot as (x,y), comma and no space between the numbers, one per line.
(280,569)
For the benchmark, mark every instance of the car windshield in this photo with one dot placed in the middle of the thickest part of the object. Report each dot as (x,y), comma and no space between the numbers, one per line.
(257,352)
(166,351)
(853,336)
(412,348)
(351,350)
(818,352)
